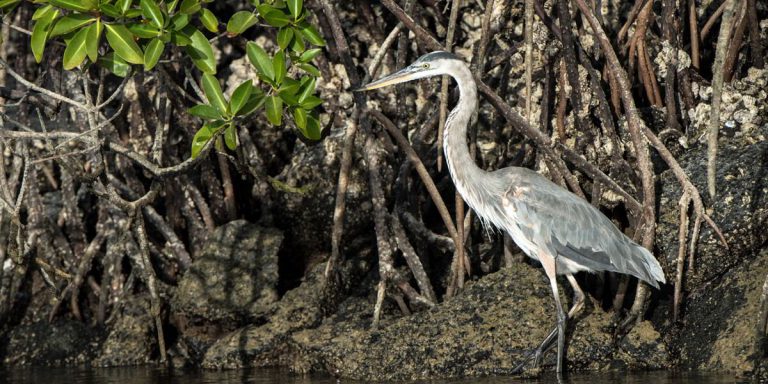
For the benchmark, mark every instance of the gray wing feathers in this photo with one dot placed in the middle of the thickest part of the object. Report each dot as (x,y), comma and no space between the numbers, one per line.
(594,241)
(576,230)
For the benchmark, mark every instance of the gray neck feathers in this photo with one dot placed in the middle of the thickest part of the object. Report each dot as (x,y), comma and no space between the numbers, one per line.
(467,176)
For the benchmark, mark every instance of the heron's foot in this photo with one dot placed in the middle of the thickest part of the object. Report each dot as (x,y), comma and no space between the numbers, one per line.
(532,360)
(536,355)
(625,325)
(529,372)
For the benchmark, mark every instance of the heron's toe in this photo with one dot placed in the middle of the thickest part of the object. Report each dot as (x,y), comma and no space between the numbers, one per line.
(531,362)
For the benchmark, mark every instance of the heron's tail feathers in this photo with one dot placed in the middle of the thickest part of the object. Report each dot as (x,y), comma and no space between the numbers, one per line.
(649,268)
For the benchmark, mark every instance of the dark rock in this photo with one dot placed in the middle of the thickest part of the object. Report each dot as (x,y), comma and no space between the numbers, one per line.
(132,337)
(301,308)
(307,196)
(740,209)
(721,293)
(719,331)
(235,277)
(642,349)
(65,342)
(233,282)
(487,329)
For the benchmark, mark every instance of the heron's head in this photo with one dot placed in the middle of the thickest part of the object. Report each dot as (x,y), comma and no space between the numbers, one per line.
(432,64)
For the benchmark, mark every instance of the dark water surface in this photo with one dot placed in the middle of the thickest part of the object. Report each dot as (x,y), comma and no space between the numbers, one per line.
(151,375)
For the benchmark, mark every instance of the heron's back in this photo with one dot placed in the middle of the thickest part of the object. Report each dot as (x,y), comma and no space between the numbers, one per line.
(539,214)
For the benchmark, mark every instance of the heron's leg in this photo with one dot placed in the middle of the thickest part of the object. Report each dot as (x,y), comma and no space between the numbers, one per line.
(548,262)
(576,307)
(578,297)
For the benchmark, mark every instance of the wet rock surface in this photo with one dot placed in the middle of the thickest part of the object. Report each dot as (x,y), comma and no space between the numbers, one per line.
(235,277)
(65,342)
(487,329)
(131,339)
(301,308)
(740,208)
(308,194)
(719,332)
(232,283)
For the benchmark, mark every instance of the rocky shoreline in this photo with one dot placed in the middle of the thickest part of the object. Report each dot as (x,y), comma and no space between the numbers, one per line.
(226,312)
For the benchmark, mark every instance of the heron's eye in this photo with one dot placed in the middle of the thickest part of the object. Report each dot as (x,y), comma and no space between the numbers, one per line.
(425,65)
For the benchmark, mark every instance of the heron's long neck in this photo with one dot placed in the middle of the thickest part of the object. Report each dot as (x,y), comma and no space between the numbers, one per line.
(465,173)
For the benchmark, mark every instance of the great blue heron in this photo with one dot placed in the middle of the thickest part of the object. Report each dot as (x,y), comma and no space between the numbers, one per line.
(550,224)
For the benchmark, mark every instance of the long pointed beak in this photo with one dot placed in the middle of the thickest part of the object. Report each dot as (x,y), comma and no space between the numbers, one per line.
(401,76)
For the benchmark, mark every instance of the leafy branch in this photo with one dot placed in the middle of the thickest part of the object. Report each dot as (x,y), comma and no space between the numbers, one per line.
(138,33)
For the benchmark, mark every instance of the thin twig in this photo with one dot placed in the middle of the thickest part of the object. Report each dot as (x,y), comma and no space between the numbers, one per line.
(402,142)
(478,60)
(529,11)
(684,202)
(118,92)
(410,256)
(637,51)
(413,295)
(459,255)
(383,49)
(695,240)
(157,220)
(42,90)
(755,41)
(62,155)
(418,228)
(349,138)
(670,32)
(84,266)
(403,47)
(229,188)
(546,20)
(562,103)
(502,57)
(201,204)
(693,27)
(717,89)
(148,165)
(380,221)
(711,21)
(151,280)
(24,182)
(735,45)
(571,66)
(630,19)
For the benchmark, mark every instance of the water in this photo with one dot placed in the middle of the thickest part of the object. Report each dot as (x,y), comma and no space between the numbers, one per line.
(152,375)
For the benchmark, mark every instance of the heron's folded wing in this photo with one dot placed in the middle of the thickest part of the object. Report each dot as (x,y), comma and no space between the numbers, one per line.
(566,223)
